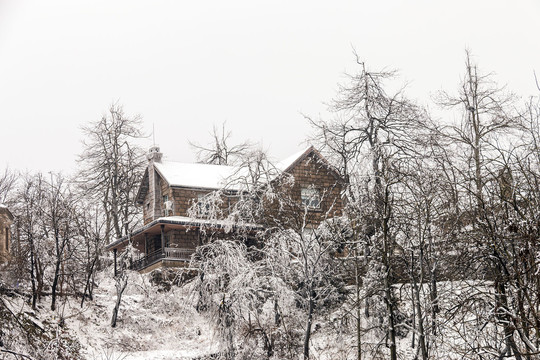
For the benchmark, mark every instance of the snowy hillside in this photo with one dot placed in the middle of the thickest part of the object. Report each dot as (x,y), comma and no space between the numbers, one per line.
(151,325)
(160,321)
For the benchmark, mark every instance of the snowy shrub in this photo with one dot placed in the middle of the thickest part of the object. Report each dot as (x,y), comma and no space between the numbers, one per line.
(22,333)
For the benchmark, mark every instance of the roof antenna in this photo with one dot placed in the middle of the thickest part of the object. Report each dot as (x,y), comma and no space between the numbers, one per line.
(153,135)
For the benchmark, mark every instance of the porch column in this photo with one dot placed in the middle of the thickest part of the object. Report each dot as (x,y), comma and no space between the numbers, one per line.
(145,244)
(162,240)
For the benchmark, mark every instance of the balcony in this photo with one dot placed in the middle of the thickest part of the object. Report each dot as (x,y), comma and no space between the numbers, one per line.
(171,255)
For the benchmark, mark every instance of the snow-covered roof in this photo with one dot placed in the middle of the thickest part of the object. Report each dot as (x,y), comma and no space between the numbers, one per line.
(285,164)
(205,176)
(4,209)
(185,220)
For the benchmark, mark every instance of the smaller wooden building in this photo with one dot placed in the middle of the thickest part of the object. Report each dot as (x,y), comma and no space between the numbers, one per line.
(6,220)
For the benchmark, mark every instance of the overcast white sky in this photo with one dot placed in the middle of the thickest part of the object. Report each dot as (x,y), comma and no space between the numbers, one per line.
(258,65)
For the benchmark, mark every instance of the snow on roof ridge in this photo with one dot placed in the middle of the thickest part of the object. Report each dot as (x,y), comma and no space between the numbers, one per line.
(210,176)
(190,221)
(195,175)
(287,162)
(193,163)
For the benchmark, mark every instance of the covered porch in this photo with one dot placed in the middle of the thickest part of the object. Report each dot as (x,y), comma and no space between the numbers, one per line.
(164,242)
(170,241)
(166,257)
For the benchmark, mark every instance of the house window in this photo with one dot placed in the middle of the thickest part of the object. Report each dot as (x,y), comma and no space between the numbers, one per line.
(311,198)
(203,207)
(7,239)
(167,205)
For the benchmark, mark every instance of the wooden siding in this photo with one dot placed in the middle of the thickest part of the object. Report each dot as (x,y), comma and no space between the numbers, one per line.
(311,171)
(5,237)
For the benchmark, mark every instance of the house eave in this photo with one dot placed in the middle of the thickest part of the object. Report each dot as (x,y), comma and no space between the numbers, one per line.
(227,191)
(139,198)
(320,158)
(4,209)
(180,222)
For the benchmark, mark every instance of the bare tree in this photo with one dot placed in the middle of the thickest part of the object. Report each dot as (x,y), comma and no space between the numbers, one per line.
(112,166)
(121,282)
(219,151)
(372,133)
(90,226)
(58,225)
(293,251)
(419,209)
(487,110)
(29,216)
(7,184)
(485,141)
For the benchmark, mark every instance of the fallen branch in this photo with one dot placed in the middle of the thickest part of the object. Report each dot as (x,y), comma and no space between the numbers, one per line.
(22,356)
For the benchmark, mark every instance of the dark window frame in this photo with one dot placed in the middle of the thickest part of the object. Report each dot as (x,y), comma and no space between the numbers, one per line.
(311,198)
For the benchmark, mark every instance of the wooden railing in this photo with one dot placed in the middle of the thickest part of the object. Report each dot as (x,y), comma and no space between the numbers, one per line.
(178,253)
(169,253)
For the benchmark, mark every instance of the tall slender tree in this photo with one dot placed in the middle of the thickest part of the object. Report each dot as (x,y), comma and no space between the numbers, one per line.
(484,136)
(112,166)
(372,132)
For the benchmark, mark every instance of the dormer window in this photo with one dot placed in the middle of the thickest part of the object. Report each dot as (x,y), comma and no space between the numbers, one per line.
(311,198)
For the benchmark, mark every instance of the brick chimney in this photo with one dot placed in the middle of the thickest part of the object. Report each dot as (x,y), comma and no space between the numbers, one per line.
(154,187)
(154,154)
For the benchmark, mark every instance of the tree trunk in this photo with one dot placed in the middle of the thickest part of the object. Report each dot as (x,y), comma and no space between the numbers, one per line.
(121,283)
(307,334)
(388,295)
(391,317)
(60,244)
(420,317)
(502,303)
(358,311)
(433,293)
(32,274)
(87,287)
(55,284)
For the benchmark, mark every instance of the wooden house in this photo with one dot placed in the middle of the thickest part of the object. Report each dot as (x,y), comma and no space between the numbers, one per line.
(6,219)
(169,236)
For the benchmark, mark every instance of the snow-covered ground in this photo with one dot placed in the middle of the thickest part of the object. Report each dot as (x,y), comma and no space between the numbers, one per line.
(157,324)
(151,324)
